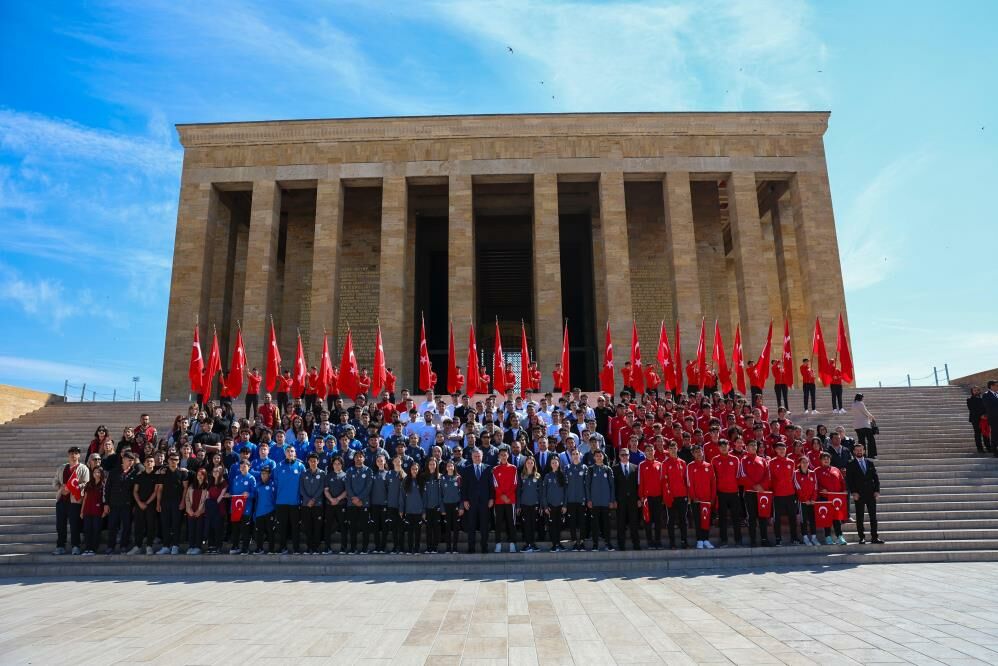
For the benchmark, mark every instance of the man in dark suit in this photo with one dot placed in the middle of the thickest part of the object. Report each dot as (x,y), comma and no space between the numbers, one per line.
(625,480)
(864,485)
(476,493)
(991,409)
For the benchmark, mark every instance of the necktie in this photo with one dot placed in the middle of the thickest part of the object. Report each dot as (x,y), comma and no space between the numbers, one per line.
(478,472)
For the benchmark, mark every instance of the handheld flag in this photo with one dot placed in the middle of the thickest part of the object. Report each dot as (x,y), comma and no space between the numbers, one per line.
(196,368)
(73,484)
(325,370)
(765,503)
(452,386)
(738,360)
(566,382)
(273,358)
(762,367)
(380,376)
(524,361)
(840,505)
(788,356)
(606,379)
(823,515)
(214,365)
(705,515)
(300,371)
(702,354)
(842,352)
(820,354)
(234,382)
(498,365)
(238,508)
(349,382)
(473,378)
(664,358)
(637,372)
(720,360)
(424,359)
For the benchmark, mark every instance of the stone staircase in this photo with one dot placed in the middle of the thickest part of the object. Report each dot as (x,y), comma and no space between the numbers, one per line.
(940,503)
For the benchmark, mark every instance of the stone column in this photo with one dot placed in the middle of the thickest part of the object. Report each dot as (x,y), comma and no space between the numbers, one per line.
(190,284)
(681,248)
(326,265)
(613,215)
(261,271)
(747,249)
(392,283)
(461,289)
(788,264)
(818,249)
(548,321)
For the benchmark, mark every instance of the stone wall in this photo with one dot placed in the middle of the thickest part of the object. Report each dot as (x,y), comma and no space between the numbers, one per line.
(651,294)
(977,379)
(16,401)
(360,256)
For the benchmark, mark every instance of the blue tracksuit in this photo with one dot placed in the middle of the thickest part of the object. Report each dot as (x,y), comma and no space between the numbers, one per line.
(288,476)
(451,488)
(244,484)
(412,499)
(433,496)
(576,489)
(552,494)
(599,486)
(528,491)
(259,464)
(266,499)
(360,480)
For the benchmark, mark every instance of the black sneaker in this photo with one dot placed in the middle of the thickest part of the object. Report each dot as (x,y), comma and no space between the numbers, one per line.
(877,541)
(862,541)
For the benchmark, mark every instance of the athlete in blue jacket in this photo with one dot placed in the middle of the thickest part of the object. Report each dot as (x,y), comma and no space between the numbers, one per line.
(288,475)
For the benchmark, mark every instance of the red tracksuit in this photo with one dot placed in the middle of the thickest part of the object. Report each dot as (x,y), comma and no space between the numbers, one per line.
(674,480)
(754,472)
(781,474)
(649,479)
(806,484)
(701,482)
(726,472)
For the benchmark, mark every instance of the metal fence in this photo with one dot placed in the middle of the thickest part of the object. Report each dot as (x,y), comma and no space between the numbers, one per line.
(938,377)
(92,393)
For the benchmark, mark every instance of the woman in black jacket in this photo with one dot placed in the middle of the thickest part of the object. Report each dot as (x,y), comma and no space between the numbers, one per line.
(975,405)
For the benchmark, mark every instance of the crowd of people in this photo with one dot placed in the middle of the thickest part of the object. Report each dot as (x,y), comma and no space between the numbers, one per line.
(453,473)
(983,409)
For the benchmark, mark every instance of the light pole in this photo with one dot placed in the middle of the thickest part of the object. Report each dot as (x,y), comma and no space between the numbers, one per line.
(135,389)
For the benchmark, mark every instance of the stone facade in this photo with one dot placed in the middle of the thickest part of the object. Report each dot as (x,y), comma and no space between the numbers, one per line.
(724,216)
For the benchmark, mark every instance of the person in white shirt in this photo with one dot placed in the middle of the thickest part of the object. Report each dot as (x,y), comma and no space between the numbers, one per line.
(429,404)
(426,430)
(555,426)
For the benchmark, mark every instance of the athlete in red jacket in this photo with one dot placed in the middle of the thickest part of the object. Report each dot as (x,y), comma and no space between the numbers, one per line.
(675,494)
(755,478)
(726,466)
(703,489)
(830,481)
(781,472)
(650,492)
(504,479)
(806,485)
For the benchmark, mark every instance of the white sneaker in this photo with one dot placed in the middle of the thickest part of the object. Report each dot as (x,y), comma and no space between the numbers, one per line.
(814,540)
(498,547)
(134,551)
(59,551)
(699,545)
(708,545)
(76,550)
(512,547)
(815,411)
(193,551)
(163,551)
(149,550)
(174,551)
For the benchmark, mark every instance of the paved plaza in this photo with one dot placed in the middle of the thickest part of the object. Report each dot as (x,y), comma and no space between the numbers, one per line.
(918,613)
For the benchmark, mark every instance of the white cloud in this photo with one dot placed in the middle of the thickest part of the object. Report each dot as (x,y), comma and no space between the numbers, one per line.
(54,139)
(42,298)
(650,56)
(870,245)
(55,372)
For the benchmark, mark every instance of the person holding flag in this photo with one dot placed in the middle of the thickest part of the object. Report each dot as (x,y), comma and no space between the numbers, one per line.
(254,379)
(606,378)
(806,487)
(831,482)
(702,485)
(807,380)
(195,371)
(69,481)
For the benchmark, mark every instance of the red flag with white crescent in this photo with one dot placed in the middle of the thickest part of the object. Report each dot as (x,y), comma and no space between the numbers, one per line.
(237,509)
(498,364)
(762,366)
(606,378)
(842,352)
(823,515)
(788,356)
(840,505)
(380,365)
(566,382)
(73,484)
(196,368)
(234,382)
(300,371)
(738,360)
(820,354)
(524,361)
(325,370)
(424,359)
(702,354)
(273,359)
(765,503)
(637,372)
(664,358)
(720,360)
(473,378)
(349,381)
(705,515)
(214,366)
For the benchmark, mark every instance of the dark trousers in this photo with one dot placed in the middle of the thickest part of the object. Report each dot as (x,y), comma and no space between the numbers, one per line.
(653,528)
(452,526)
(67,512)
(865,437)
(214,526)
(252,403)
(359,527)
(332,398)
(146,521)
(288,525)
(432,529)
(979,437)
(91,528)
(412,529)
(692,389)
(478,520)
(309,401)
(196,528)
(266,532)
(729,507)
(781,396)
(753,392)
(677,518)
(784,506)
(119,527)
(311,526)
(757,527)
(836,396)
(379,526)
(504,523)
(863,504)
(807,519)
(396,525)
(170,518)
(282,402)
(554,522)
(809,392)
(576,519)
(528,522)
(245,531)
(627,522)
(837,525)
(335,520)
(601,524)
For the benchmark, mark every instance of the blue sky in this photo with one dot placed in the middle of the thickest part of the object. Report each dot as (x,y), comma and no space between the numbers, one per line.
(90,164)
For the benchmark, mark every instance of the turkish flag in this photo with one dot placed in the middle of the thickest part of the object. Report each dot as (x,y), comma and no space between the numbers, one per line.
(637,373)
(273,358)
(349,381)
(721,360)
(788,356)
(820,354)
(234,382)
(299,372)
(705,515)
(738,361)
(566,382)
(73,484)
(823,515)
(840,505)
(214,365)
(452,386)
(677,367)
(664,358)
(325,370)
(380,376)
(473,378)
(196,368)
(842,352)
(764,503)
(645,512)
(606,378)
(237,508)
(498,364)
(524,361)
(762,366)
(702,354)
(425,368)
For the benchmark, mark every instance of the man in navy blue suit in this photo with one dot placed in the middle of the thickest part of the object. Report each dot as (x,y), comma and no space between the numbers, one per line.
(477,495)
